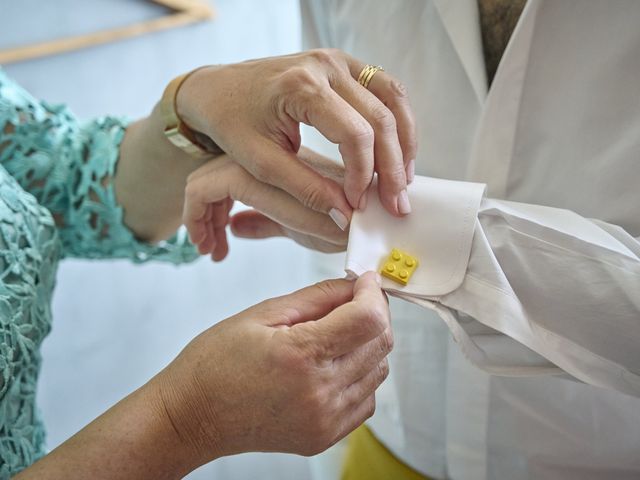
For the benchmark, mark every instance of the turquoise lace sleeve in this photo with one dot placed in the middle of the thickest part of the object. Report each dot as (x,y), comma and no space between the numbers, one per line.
(68,166)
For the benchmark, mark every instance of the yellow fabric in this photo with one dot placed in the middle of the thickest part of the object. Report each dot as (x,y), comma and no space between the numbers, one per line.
(368,459)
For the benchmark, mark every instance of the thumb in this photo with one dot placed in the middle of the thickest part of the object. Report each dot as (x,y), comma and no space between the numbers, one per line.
(306,305)
(352,324)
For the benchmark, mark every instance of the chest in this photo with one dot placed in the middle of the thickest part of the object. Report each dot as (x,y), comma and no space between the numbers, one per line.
(560,125)
(498,18)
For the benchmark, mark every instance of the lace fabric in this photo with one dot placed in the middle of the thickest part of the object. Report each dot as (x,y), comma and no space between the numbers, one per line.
(56,200)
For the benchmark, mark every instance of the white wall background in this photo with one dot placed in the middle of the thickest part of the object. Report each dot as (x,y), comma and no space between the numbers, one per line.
(115,324)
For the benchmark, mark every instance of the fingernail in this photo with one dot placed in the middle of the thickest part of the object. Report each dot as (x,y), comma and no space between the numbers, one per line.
(411,170)
(378,279)
(404,207)
(339,218)
(363,201)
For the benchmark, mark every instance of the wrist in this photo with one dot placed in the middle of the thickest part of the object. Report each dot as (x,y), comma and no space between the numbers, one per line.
(188,412)
(193,107)
(133,439)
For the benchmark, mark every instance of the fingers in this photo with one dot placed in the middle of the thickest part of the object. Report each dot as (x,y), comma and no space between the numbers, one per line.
(220,219)
(393,94)
(325,166)
(358,415)
(273,165)
(357,364)
(367,385)
(374,128)
(350,325)
(287,211)
(389,163)
(308,304)
(253,224)
(215,184)
(341,124)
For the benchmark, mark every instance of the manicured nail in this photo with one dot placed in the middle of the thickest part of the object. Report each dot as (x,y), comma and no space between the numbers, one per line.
(411,170)
(378,279)
(363,201)
(339,218)
(404,207)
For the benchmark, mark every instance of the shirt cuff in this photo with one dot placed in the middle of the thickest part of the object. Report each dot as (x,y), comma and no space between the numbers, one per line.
(438,232)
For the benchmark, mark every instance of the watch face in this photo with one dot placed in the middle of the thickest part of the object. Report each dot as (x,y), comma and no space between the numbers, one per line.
(177,138)
(183,143)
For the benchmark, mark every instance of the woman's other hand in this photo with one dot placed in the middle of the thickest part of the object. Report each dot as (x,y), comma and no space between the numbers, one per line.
(212,189)
(253,110)
(292,374)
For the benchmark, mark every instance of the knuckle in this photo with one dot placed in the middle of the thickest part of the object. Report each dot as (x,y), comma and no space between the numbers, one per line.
(394,178)
(316,401)
(383,120)
(387,341)
(362,136)
(326,56)
(371,406)
(372,317)
(399,89)
(378,314)
(383,370)
(312,196)
(297,80)
(329,287)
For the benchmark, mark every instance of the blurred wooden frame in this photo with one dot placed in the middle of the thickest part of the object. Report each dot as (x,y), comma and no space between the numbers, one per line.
(183,13)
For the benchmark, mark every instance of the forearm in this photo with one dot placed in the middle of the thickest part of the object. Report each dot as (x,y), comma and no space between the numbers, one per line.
(150,179)
(134,439)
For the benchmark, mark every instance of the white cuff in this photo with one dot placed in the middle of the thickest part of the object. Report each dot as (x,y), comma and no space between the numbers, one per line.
(439,232)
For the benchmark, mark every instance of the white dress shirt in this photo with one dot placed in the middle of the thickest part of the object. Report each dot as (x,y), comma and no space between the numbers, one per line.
(525,363)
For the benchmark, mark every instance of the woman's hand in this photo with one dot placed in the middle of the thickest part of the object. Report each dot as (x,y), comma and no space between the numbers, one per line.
(256,225)
(292,374)
(252,110)
(210,193)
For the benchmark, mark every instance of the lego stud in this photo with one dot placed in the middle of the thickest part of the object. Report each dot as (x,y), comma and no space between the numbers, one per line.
(399,266)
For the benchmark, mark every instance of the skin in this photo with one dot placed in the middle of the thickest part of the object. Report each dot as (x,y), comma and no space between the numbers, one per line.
(212,189)
(292,374)
(374,128)
(498,19)
(256,122)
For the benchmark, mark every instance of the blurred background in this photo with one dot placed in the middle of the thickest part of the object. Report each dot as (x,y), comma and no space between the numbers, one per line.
(116,324)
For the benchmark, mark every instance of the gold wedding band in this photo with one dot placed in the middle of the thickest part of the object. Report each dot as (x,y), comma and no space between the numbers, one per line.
(367,74)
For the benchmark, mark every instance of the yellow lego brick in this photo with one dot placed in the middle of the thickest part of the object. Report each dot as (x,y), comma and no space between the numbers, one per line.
(399,266)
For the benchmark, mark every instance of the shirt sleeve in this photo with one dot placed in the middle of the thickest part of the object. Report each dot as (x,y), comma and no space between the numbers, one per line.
(542,290)
(68,166)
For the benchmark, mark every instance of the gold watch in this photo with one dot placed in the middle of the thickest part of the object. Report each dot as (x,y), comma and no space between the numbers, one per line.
(194,143)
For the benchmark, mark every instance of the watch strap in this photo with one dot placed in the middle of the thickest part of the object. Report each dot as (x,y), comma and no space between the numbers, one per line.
(194,143)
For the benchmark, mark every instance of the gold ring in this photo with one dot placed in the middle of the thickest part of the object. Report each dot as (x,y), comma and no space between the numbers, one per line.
(367,74)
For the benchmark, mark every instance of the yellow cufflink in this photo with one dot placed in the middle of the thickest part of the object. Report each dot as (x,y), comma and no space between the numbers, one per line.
(399,266)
